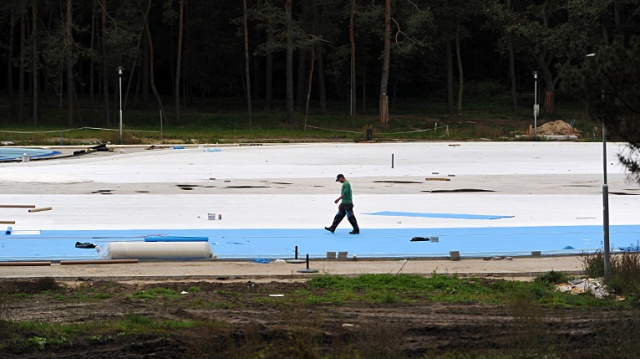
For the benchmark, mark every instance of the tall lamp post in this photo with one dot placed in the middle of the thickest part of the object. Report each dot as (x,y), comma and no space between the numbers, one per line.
(605,205)
(536,107)
(120,68)
(605,200)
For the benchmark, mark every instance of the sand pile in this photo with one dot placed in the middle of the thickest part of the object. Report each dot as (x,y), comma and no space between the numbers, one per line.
(556,128)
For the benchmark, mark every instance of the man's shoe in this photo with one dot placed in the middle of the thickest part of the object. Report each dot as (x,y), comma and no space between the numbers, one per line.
(354,232)
(329,229)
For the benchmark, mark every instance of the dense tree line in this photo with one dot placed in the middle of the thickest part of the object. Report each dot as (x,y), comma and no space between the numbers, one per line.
(609,82)
(287,53)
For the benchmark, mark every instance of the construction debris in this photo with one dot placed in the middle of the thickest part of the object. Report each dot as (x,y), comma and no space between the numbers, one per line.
(581,286)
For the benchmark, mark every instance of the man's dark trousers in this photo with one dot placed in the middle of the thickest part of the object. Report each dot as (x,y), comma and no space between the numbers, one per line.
(345,210)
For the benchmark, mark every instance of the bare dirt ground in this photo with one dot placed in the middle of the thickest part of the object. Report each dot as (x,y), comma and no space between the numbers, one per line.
(249,312)
(246,319)
(501,267)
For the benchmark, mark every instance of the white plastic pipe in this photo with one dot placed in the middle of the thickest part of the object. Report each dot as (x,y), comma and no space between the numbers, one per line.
(156,250)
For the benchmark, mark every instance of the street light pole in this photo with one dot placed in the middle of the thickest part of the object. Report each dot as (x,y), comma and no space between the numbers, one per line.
(605,205)
(605,200)
(536,108)
(120,68)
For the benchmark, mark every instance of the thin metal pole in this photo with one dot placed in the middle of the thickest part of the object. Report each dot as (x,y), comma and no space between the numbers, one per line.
(605,199)
(605,208)
(120,95)
(535,100)
(604,152)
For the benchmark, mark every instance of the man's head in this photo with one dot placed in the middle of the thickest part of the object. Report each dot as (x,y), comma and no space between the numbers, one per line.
(340,178)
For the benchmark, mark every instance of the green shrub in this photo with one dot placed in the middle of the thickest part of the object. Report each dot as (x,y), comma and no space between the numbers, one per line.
(624,276)
(552,277)
(593,264)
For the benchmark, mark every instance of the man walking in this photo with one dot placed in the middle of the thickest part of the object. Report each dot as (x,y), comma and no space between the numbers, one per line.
(345,208)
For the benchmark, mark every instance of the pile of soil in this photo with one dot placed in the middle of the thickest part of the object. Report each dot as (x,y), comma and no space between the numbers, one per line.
(556,128)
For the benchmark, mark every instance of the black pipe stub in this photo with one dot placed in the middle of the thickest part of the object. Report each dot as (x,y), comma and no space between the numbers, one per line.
(296,260)
(307,270)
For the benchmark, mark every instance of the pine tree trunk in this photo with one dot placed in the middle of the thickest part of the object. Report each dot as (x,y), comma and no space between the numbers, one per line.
(302,67)
(69,60)
(364,85)
(386,59)
(268,68)
(179,61)
(512,70)
(12,35)
(450,102)
(289,85)
(134,66)
(549,87)
(145,70)
(352,42)
(460,70)
(34,62)
(105,71)
(91,62)
(268,82)
(152,80)
(256,85)
(548,102)
(322,88)
(21,89)
(247,68)
(310,82)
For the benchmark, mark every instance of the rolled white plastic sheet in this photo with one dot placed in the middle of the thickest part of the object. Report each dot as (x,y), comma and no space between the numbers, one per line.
(156,250)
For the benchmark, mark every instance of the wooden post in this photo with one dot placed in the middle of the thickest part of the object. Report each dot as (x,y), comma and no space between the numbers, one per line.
(100,261)
(40,209)
(24,264)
